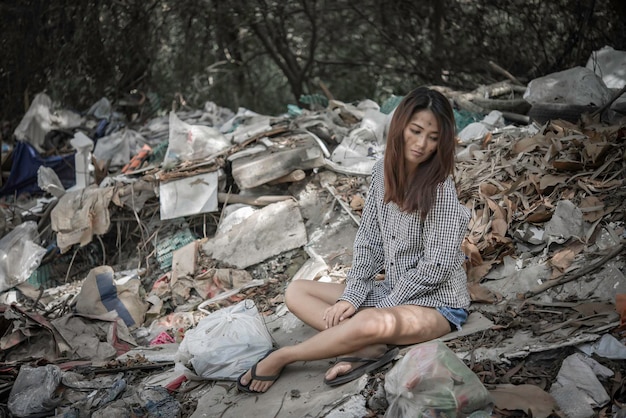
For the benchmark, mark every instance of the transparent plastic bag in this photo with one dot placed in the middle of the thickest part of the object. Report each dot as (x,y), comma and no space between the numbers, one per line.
(226,343)
(192,142)
(34,392)
(20,255)
(430,381)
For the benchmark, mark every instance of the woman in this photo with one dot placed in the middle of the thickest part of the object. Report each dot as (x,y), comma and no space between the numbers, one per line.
(411,229)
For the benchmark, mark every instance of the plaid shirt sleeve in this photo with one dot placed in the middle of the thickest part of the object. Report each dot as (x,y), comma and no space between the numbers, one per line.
(439,257)
(369,256)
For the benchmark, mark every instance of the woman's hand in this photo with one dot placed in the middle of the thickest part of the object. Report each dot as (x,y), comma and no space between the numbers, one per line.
(340,311)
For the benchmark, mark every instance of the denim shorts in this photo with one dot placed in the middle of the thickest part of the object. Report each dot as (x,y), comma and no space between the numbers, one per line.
(455,316)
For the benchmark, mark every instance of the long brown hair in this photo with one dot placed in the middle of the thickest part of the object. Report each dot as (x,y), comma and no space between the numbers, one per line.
(418,191)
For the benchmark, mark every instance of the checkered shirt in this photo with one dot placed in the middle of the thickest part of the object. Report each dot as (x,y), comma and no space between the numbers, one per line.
(422,260)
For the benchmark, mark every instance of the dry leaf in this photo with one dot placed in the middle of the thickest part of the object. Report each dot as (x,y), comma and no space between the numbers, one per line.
(564,258)
(592,308)
(481,294)
(499,227)
(357,202)
(528,144)
(567,165)
(592,208)
(550,180)
(472,252)
(539,214)
(524,398)
(488,189)
(476,273)
(596,152)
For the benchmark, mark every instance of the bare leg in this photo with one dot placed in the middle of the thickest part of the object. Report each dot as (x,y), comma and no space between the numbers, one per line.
(308,299)
(401,325)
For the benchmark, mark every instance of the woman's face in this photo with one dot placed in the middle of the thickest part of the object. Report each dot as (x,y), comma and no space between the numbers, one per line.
(420,138)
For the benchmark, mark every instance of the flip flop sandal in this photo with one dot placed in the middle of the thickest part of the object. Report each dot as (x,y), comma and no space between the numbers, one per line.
(371,364)
(246,388)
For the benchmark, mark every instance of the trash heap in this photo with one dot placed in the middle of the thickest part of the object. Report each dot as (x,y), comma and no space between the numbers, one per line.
(125,235)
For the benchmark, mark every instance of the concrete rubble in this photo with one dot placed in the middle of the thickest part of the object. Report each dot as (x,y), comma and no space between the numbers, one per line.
(164,225)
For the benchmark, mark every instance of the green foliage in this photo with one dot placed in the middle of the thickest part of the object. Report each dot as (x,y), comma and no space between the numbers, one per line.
(265,54)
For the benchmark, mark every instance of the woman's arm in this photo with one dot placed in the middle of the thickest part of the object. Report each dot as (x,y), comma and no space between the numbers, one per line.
(368,256)
(444,229)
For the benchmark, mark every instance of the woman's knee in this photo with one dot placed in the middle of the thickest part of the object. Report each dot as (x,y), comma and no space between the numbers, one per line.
(375,323)
(295,290)
(299,290)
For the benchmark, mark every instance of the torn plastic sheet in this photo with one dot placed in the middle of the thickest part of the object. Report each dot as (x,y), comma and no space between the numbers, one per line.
(476,131)
(607,347)
(567,222)
(29,335)
(41,119)
(26,162)
(243,116)
(19,255)
(96,337)
(189,196)
(358,152)
(49,181)
(609,64)
(80,214)
(580,373)
(574,86)
(118,147)
(34,392)
(191,142)
(530,234)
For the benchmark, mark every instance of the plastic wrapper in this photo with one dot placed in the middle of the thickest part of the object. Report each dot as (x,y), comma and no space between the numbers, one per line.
(431,382)
(226,343)
(192,142)
(119,147)
(34,393)
(19,255)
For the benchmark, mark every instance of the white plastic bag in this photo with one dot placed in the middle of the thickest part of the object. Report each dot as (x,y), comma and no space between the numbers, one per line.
(431,381)
(226,343)
(119,147)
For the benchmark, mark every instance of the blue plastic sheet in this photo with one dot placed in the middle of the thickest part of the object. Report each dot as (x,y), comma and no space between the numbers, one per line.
(26,162)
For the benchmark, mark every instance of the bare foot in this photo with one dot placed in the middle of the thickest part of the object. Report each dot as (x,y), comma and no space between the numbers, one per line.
(269,366)
(343,367)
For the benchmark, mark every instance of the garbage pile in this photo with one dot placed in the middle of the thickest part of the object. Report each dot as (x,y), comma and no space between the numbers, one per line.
(122,238)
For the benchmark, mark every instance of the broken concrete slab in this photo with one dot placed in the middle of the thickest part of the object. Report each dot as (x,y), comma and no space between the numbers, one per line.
(331,232)
(267,232)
